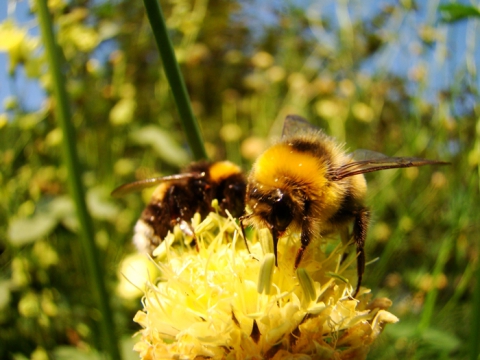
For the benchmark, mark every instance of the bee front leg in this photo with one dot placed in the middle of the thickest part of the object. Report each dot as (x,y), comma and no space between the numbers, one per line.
(275,245)
(305,238)
(360,226)
(241,219)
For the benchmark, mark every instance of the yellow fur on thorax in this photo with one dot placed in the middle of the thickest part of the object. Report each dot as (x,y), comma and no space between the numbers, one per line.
(283,167)
(281,163)
(223,169)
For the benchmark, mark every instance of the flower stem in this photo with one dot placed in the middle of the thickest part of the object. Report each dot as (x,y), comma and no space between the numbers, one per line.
(63,115)
(431,297)
(475,327)
(175,79)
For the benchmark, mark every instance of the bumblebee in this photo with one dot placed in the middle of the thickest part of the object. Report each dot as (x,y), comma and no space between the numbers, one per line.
(307,183)
(178,197)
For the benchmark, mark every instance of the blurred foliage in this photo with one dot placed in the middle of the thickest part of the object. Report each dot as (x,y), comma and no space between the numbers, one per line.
(325,63)
(455,12)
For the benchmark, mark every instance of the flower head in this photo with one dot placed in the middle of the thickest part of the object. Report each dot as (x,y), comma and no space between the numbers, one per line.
(17,43)
(226,301)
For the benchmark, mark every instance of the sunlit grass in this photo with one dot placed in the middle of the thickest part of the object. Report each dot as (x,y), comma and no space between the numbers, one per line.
(74,175)
(175,79)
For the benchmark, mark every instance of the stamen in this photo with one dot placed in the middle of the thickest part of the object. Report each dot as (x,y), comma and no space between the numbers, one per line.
(265,274)
(307,285)
(266,241)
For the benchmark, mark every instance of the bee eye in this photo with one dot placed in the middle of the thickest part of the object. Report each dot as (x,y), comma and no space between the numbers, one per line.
(281,215)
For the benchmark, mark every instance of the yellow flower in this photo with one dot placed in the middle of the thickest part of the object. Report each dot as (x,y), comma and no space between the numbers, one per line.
(135,271)
(224,301)
(363,112)
(262,60)
(17,43)
(12,36)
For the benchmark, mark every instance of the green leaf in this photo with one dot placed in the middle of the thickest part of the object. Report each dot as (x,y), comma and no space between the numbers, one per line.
(61,206)
(64,209)
(61,209)
(123,111)
(441,340)
(162,142)
(108,30)
(72,353)
(26,230)
(31,120)
(4,294)
(455,12)
(404,329)
(100,204)
(430,337)
(126,347)
(19,357)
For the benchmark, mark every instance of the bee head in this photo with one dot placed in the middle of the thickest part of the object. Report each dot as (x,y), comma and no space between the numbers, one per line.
(282,206)
(273,207)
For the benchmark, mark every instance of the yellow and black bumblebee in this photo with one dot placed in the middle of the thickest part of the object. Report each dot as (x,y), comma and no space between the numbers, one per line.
(178,197)
(307,183)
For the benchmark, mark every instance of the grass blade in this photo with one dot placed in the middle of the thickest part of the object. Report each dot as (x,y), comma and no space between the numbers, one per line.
(175,79)
(63,115)
(431,297)
(475,327)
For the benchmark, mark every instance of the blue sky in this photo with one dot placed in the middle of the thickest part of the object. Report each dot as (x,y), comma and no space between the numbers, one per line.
(395,57)
(30,93)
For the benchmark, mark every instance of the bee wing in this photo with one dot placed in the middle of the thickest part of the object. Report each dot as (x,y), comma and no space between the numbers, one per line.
(146,183)
(362,154)
(295,125)
(373,161)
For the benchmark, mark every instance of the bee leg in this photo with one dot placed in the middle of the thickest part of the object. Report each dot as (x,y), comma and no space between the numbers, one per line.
(188,230)
(242,226)
(345,237)
(275,245)
(360,226)
(305,240)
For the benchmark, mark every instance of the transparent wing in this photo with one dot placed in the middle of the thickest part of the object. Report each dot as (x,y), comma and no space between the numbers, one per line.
(295,125)
(146,183)
(379,162)
(363,161)
(362,154)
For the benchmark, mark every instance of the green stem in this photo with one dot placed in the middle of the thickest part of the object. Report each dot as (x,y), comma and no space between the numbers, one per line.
(475,327)
(175,79)
(429,306)
(63,115)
